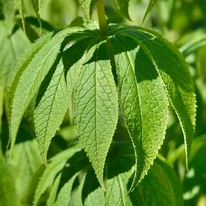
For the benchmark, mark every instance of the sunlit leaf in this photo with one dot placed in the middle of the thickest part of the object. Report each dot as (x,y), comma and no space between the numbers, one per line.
(35,70)
(96,108)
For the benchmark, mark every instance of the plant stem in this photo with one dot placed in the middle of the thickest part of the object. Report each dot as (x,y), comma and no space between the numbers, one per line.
(101,18)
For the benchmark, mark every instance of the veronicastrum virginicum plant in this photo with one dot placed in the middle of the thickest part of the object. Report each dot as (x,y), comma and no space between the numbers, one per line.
(108,72)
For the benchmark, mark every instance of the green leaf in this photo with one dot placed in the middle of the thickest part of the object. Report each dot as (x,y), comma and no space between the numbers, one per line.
(64,194)
(192,46)
(54,167)
(86,6)
(143,101)
(7,179)
(122,6)
(175,76)
(1,106)
(19,6)
(91,194)
(36,7)
(51,110)
(160,187)
(9,12)
(34,72)
(149,8)
(14,45)
(119,173)
(96,108)
(54,190)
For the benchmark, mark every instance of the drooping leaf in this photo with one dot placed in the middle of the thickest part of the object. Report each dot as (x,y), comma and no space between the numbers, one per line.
(160,187)
(20,7)
(122,6)
(149,8)
(143,101)
(86,6)
(96,108)
(34,72)
(175,75)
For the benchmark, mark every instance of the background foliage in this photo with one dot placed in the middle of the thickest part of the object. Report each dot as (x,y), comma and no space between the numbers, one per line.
(182,22)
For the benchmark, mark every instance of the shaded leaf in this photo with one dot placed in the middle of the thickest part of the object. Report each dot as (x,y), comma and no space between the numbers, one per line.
(36,7)
(96,108)
(160,187)
(54,167)
(122,6)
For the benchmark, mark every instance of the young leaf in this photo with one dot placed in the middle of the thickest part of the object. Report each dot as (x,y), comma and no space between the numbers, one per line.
(160,187)
(32,77)
(143,101)
(86,6)
(175,77)
(96,108)
(149,8)
(122,6)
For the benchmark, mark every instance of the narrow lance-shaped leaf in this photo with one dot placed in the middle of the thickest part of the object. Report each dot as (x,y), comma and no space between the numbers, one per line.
(96,108)
(122,6)
(86,5)
(143,101)
(175,76)
(19,6)
(149,8)
(51,110)
(32,77)
(36,7)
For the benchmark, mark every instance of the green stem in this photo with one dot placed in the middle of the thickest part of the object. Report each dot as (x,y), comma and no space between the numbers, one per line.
(101,18)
